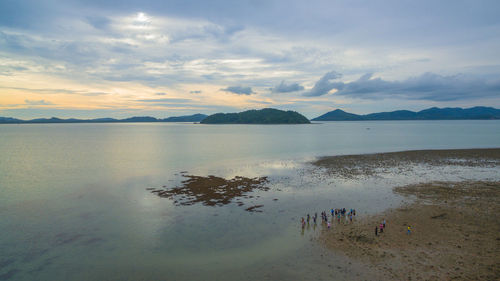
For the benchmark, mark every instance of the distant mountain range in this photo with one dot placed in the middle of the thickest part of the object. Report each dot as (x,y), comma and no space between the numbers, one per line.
(275,116)
(434,113)
(189,118)
(263,116)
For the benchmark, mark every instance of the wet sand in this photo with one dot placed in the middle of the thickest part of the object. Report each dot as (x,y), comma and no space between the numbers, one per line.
(455,234)
(352,166)
(455,225)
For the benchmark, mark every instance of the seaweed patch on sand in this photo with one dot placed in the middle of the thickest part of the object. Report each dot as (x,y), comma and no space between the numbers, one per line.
(212,190)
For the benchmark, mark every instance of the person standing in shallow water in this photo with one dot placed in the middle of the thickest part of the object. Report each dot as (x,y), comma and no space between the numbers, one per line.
(376,230)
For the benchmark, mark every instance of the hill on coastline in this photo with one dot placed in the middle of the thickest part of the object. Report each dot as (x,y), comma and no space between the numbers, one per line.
(188,118)
(263,116)
(275,116)
(434,113)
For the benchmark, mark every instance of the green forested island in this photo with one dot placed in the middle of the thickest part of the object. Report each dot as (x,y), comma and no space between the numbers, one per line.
(434,113)
(263,116)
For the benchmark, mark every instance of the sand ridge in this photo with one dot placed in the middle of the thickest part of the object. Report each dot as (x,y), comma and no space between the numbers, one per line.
(352,166)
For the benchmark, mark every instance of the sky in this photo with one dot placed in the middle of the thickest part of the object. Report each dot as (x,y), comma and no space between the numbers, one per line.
(160,58)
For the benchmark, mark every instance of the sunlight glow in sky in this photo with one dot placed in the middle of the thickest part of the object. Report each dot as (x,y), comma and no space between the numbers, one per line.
(141,17)
(90,59)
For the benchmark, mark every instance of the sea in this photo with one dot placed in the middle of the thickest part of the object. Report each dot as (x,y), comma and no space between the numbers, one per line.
(75,204)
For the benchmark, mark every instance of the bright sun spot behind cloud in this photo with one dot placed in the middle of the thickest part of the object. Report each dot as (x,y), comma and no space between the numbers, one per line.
(141,17)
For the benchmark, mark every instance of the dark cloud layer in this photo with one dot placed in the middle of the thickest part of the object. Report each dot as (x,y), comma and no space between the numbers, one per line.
(239,90)
(324,85)
(428,86)
(286,88)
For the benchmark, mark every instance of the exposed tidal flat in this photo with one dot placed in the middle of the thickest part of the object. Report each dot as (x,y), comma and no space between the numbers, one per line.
(454,225)
(75,203)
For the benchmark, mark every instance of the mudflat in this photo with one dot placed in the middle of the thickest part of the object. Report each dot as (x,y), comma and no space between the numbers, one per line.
(455,234)
(455,226)
(351,166)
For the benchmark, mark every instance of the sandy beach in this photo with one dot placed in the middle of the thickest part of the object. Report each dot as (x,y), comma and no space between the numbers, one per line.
(455,226)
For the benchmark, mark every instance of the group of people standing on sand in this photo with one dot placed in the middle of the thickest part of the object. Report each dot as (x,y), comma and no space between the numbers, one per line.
(341,215)
(346,215)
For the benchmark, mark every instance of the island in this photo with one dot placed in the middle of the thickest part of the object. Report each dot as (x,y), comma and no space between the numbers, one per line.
(262,116)
(434,113)
(136,119)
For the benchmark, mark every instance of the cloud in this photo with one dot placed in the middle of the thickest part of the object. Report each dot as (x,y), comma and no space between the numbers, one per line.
(324,85)
(195,92)
(166,100)
(428,86)
(9,70)
(160,94)
(58,91)
(170,45)
(239,90)
(286,88)
(37,102)
(222,32)
(92,94)
(98,22)
(260,102)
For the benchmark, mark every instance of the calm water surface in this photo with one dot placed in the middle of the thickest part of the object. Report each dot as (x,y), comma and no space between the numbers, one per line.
(74,204)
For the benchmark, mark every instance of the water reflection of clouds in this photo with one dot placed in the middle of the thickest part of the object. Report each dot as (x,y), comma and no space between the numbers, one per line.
(249,168)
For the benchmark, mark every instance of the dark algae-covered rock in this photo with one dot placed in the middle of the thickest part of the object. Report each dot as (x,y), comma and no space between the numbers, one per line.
(212,190)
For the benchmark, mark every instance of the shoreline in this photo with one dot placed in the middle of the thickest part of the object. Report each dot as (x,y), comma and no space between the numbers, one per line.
(371,164)
(455,224)
(414,155)
(455,228)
